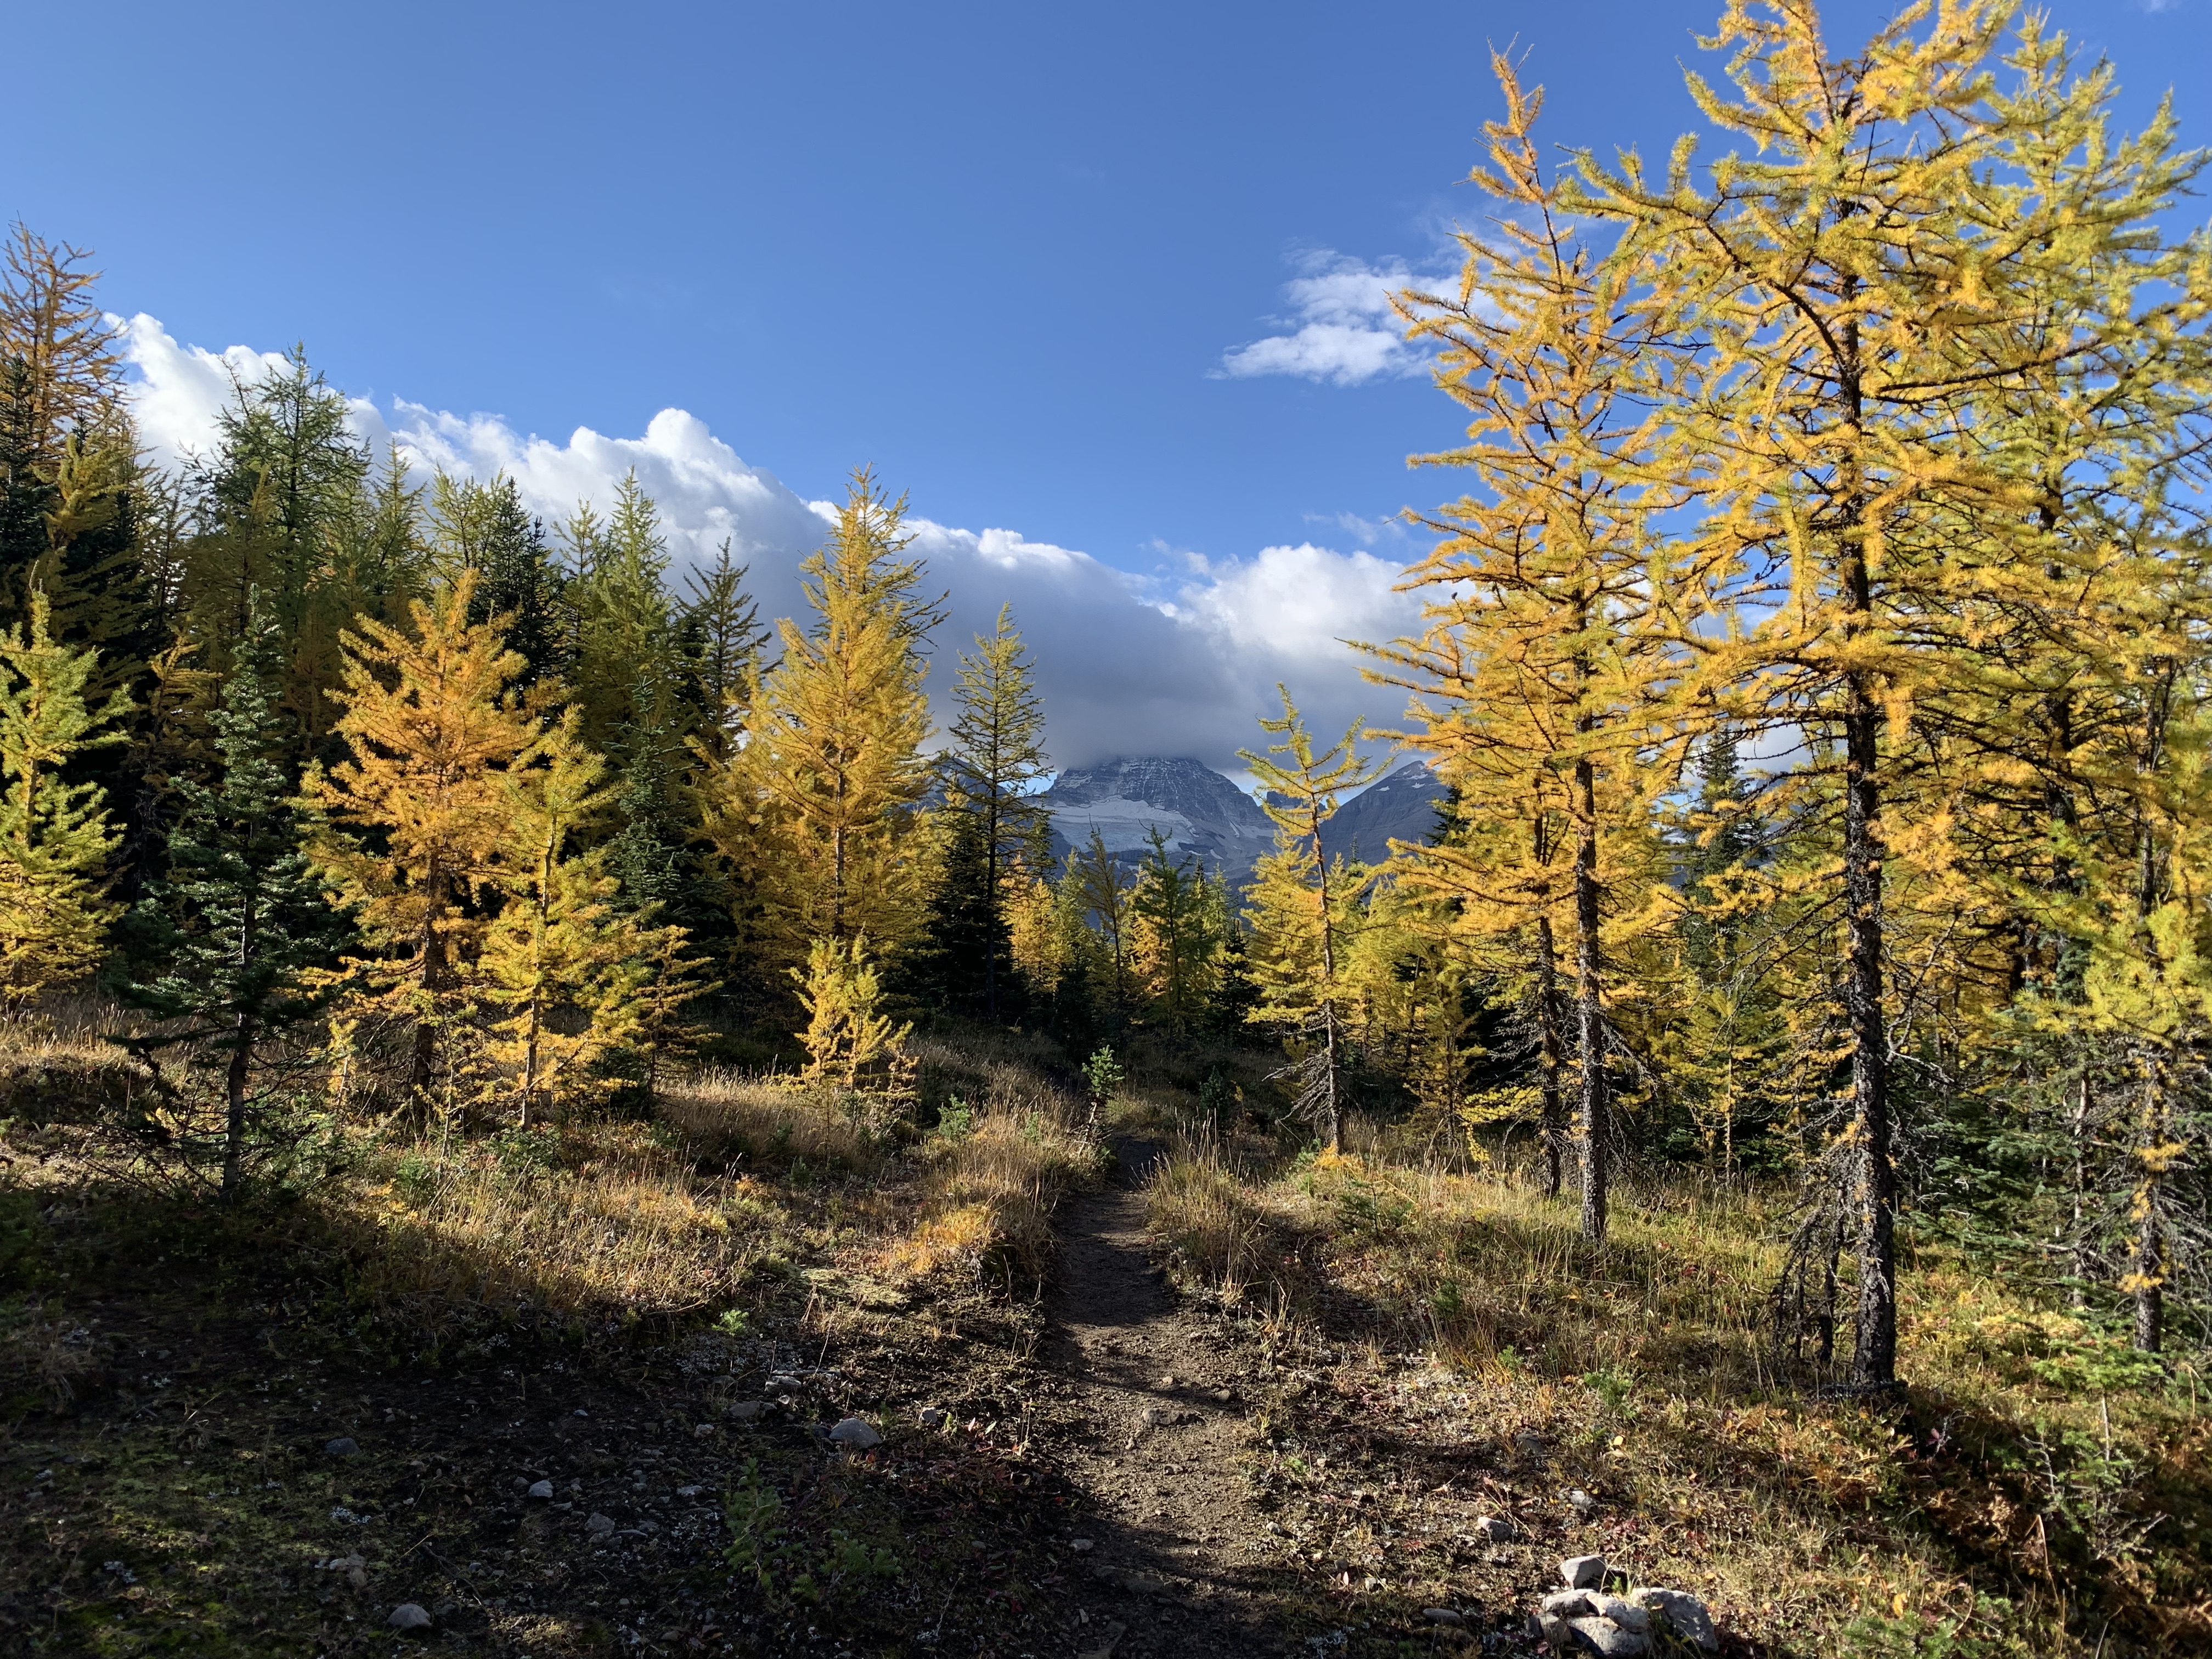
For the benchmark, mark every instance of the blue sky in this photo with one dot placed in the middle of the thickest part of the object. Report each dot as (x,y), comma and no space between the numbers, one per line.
(997,251)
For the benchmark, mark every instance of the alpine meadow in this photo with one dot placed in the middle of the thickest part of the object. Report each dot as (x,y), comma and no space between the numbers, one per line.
(546,1109)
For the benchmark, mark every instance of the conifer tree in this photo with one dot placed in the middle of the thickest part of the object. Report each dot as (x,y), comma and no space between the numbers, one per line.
(412,823)
(1554,616)
(54,837)
(1839,310)
(1174,921)
(483,527)
(1095,890)
(1302,906)
(811,810)
(991,767)
(719,625)
(240,924)
(558,942)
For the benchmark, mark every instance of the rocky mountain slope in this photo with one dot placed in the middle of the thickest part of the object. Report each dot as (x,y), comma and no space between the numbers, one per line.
(1401,807)
(1200,811)
(1203,814)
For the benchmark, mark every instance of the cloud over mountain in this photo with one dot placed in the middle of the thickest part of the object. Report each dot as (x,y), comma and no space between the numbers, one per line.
(1128,664)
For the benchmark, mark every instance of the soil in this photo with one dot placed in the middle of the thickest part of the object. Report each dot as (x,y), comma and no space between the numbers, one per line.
(1160,1403)
(1096,1478)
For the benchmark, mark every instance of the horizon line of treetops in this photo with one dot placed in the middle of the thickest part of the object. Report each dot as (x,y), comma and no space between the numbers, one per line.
(1886,443)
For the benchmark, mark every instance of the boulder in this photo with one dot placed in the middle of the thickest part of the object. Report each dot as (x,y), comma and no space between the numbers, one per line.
(1627,1615)
(1582,1572)
(1606,1639)
(1685,1614)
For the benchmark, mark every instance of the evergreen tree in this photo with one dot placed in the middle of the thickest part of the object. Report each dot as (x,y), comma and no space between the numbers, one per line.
(54,837)
(1302,907)
(991,769)
(719,626)
(1176,928)
(240,925)
(484,527)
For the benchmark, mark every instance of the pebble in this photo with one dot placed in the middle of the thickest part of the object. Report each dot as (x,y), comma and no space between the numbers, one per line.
(1442,1615)
(343,1446)
(1494,1529)
(1078,1545)
(701,1431)
(409,1615)
(1581,1502)
(1169,1381)
(541,1489)
(749,1410)
(932,1417)
(856,1432)
(1582,1572)
(598,1526)
(1223,1395)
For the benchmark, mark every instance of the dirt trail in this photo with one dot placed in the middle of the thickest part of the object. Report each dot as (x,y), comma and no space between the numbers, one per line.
(1164,1398)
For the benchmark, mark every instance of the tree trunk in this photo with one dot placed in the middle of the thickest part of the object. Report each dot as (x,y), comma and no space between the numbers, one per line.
(1552,1052)
(234,1139)
(2146,1278)
(1873,1354)
(1589,1013)
(423,1059)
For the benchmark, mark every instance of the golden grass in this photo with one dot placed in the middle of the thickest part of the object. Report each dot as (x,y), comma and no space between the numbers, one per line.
(2032,1464)
(768,1122)
(597,1220)
(990,1182)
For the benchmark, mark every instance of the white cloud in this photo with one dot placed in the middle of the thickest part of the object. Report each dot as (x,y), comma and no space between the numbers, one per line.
(1126,665)
(1343,327)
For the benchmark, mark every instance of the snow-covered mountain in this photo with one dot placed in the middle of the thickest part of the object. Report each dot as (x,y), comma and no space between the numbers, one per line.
(1203,813)
(1401,807)
(1199,810)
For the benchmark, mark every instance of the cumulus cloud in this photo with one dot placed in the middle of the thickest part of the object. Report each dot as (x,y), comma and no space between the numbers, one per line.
(1342,326)
(1127,665)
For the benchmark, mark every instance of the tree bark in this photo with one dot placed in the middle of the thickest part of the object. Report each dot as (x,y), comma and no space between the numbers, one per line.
(1589,1013)
(1874,1353)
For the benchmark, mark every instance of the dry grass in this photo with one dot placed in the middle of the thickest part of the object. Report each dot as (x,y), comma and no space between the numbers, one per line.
(993,1170)
(768,1122)
(2034,1466)
(595,1222)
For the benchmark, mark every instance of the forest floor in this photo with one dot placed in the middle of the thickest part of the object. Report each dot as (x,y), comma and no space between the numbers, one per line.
(573,1396)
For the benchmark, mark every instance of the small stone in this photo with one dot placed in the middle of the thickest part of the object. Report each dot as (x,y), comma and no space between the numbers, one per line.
(856,1432)
(520,1486)
(409,1615)
(1608,1640)
(1158,1416)
(687,1492)
(1080,1546)
(598,1526)
(932,1417)
(1582,1572)
(343,1446)
(1569,1604)
(1627,1615)
(1581,1502)
(1494,1530)
(701,1431)
(1169,1381)
(541,1489)
(1223,1395)
(749,1410)
(357,1576)
(1687,1616)
(1442,1615)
